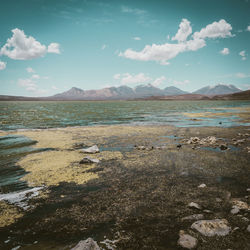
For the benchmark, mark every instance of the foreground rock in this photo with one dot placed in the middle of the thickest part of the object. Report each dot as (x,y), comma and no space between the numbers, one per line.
(92,150)
(88,244)
(193,217)
(89,160)
(210,228)
(194,205)
(187,241)
(203,185)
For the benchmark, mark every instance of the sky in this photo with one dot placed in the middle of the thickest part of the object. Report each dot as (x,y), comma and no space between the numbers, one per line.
(49,46)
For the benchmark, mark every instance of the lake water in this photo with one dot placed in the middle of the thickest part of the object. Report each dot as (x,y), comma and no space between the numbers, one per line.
(33,115)
(30,115)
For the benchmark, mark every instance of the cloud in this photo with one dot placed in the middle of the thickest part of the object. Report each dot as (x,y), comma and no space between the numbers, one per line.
(158,81)
(162,53)
(22,47)
(2,65)
(127,78)
(35,76)
(28,84)
(180,82)
(137,38)
(220,29)
(184,31)
(54,48)
(135,11)
(242,75)
(54,87)
(248,28)
(243,55)
(104,46)
(30,70)
(225,51)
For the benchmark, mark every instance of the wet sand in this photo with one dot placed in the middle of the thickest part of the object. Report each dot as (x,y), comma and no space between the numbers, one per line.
(136,197)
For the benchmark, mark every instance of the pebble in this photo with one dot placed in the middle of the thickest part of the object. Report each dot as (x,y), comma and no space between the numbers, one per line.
(187,241)
(88,244)
(248,228)
(193,217)
(91,150)
(203,185)
(194,205)
(235,210)
(88,160)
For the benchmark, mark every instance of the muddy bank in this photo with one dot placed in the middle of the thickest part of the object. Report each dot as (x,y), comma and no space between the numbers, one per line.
(136,197)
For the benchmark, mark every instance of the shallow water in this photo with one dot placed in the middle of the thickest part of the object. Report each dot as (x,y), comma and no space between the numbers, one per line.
(30,115)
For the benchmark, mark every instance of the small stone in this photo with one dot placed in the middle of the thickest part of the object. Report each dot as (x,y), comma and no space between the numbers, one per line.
(223,147)
(248,228)
(194,205)
(207,211)
(179,146)
(187,241)
(248,189)
(141,147)
(245,219)
(193,217)
(203,185)
(218,199)
(220,122)
(241,204)
(88,160)
(210,228)
(235,210)
(92,150)
(88,244)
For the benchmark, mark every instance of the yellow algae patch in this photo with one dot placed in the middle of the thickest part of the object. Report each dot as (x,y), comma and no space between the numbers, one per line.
(59,139)
(53,167)
(8,214)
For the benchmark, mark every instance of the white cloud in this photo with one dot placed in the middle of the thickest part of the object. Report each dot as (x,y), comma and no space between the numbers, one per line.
(2,65)
(248,28)
(54,87)
(22,47)
(243,55)
(225,51)
(137,38)
(117,76)
(134,79)
(54,48)
(135,11)
(30,70)
(28,84)
(220,29)
(180,82)
(35,76)
(158,81)
(242,75)
(162,53)
(184,31)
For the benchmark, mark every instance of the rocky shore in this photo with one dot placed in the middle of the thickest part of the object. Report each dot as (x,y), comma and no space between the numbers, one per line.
(132,187)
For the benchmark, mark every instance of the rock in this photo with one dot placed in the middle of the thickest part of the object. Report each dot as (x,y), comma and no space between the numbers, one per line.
(92,150)
(245,219)
(141,148)
(235,210)
(179,146)
(223,147)
(187,241)
(241,204)
(88,160)
(207,211)
(193,217)
(193,140)
(194,205)
(248,228)
(248,189)
(203,185)
(220,122)
(218,199)
(88,244)
(210,228)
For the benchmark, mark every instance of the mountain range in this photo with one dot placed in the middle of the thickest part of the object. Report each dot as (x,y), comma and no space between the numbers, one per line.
(140,91)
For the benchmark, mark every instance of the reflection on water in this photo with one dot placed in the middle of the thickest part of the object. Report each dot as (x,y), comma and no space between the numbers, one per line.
(25,115)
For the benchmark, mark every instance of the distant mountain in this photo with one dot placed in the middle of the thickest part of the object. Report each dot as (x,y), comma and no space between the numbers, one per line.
(147,90)
(220,89)
(174,91)
(243,95)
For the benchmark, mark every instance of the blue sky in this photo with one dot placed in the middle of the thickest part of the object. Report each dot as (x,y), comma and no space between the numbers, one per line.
(48,46)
